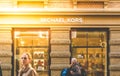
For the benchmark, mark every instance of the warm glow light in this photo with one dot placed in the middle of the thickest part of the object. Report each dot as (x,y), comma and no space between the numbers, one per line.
(43,10)
(17,33)
(43,34)
(19,10)
(22,42)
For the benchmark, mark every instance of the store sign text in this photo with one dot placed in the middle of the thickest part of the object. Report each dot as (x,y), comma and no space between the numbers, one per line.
(61,20)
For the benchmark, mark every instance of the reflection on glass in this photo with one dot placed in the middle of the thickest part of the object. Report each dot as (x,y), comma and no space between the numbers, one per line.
(36,43)
(90,50)
(79,39)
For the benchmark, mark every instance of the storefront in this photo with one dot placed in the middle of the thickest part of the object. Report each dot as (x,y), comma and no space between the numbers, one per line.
(88,45)
(54,36)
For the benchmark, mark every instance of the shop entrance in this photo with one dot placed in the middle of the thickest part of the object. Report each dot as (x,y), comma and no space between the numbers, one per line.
(35,42)
(90,47)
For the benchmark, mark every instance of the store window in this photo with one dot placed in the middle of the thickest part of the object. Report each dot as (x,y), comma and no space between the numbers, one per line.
(89,46)
(36,42)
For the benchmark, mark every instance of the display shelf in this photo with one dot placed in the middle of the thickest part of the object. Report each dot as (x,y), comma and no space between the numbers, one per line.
(89,47)
(40,59)
(34,42)
(38,55)
(92,59)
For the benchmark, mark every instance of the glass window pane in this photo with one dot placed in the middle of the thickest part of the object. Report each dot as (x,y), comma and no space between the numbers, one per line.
(96,61)
(90,48)
(79,42)
(36,43)
(40,62)
(40,42)
(79,39)
(94,39)
(24,41)
(80,54)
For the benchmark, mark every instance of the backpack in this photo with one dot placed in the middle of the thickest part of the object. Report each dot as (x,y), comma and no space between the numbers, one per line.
(64,72)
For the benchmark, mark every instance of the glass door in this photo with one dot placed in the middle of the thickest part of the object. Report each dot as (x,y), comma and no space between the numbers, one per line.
(36,42)
(90,48)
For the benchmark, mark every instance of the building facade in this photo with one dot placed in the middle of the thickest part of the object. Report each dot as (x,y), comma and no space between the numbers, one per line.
(54,31)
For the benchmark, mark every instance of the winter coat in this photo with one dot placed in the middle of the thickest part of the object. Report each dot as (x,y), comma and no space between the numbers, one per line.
(76,69)
(28,71)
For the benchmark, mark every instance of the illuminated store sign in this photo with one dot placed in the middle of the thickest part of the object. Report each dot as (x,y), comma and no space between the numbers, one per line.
(61,20)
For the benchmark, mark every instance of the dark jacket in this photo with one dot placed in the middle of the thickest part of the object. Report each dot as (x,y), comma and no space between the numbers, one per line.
(0,71)
(76,69)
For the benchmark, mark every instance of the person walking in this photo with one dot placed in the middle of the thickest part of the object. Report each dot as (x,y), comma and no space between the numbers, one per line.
(26,69)
(75,68)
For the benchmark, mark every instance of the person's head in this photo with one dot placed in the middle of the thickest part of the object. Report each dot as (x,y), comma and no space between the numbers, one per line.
(26,59)
(73,61)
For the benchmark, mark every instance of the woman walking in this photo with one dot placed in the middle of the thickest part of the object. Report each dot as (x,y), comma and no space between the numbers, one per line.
(26,69)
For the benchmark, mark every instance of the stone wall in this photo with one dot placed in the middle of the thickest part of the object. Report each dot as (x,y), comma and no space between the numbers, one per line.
(6,51)
(60,50)
(114,5)
(114,53)
(60,4)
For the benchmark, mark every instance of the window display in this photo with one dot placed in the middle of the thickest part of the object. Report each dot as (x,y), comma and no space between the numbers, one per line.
(36,43)
(40,59)
(87,48)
